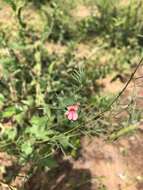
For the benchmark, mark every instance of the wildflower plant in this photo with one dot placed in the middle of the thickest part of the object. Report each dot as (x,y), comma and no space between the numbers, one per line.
(48,100)
(39,98)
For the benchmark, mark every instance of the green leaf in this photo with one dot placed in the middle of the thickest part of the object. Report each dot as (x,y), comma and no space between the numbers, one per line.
(38,129)
(39,132)
(50,162)
(29,101)
(2,98)
(10,111)
(64,102)
(10,133)
(27,148)
(39,121)
(51,67)
(19,117)
(64,141)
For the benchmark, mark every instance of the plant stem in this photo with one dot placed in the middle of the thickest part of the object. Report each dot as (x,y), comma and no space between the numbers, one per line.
(121,92)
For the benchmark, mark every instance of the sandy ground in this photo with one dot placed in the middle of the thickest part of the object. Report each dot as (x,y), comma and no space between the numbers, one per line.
(101,165)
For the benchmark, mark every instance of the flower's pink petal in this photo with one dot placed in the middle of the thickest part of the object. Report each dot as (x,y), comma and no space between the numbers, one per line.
(73,107)
(75,116)
(70,116)
(70,108)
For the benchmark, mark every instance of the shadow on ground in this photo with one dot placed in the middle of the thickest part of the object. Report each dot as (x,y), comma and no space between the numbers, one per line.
(64,177)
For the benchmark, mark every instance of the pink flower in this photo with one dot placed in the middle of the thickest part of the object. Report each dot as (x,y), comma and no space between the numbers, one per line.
(71,112)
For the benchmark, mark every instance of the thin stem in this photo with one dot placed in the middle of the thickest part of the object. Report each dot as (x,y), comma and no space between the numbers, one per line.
(121,92)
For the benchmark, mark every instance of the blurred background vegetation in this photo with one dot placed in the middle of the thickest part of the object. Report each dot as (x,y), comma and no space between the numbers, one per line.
(55,53)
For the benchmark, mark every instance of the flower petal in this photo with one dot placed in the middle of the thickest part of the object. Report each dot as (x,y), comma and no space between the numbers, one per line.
(70,108)
(70,116)
(75,116)
(73,107)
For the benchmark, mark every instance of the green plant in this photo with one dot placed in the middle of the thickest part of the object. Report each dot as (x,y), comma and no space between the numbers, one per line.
(37,87)
(36,93)
(116,23)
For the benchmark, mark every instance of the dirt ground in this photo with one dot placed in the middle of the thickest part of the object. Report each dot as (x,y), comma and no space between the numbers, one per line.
(101,166)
